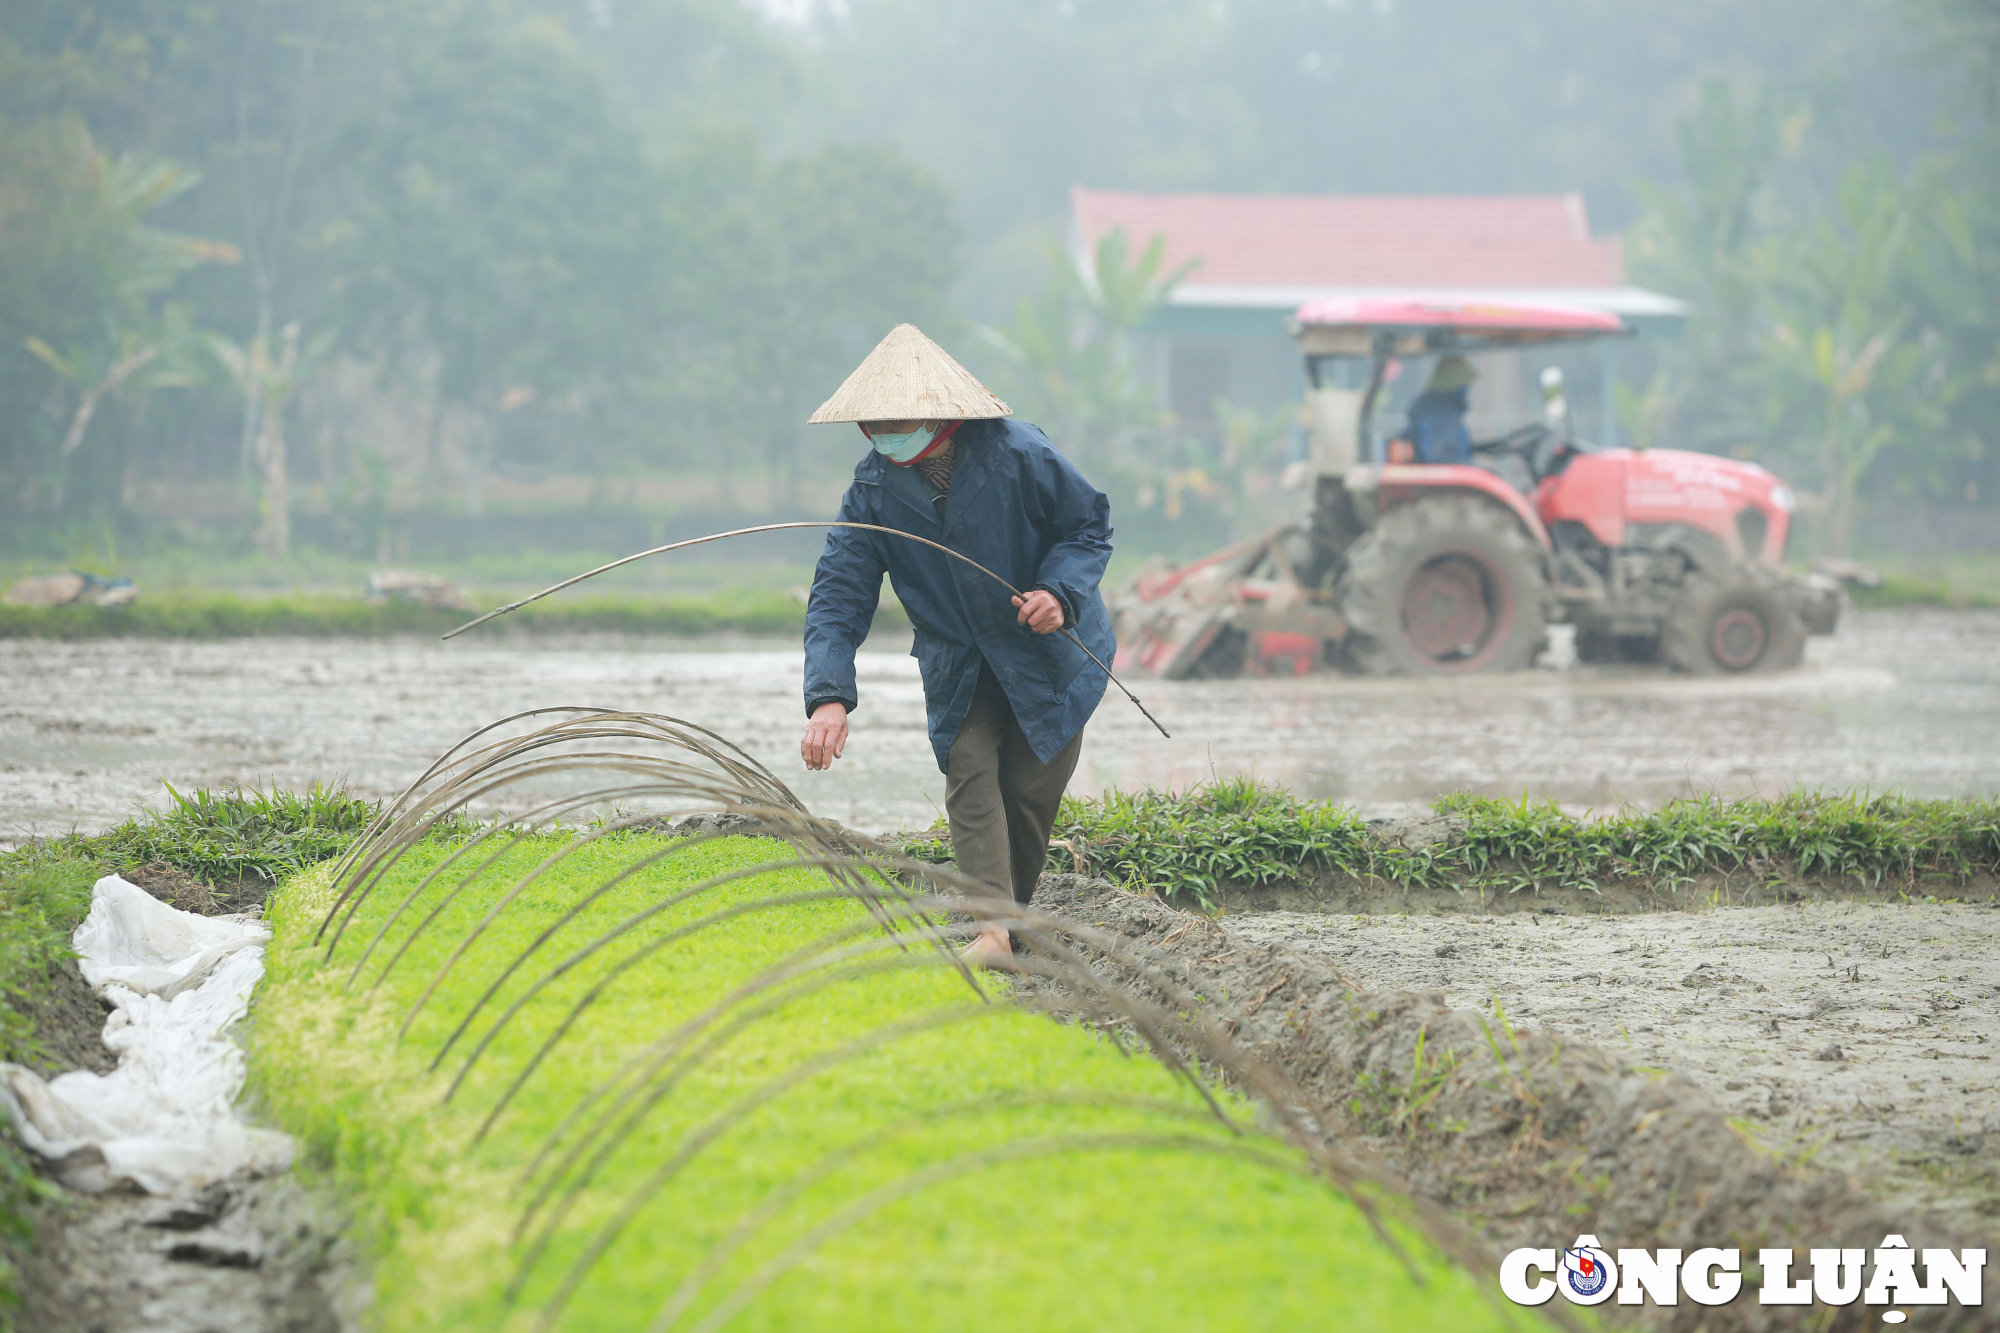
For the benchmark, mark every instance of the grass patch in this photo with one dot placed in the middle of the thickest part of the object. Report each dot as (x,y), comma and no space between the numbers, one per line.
(215,836)
(41,903)
(1185,847)
(196,614)
(1128,1235)
(1917,590)
(1188,847)
(1963,581)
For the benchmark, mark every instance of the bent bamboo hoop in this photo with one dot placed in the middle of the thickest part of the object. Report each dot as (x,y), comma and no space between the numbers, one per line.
(776,527)
(1088,975)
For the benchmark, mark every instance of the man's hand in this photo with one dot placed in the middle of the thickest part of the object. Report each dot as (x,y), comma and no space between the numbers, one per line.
(826,735)
(1040,611)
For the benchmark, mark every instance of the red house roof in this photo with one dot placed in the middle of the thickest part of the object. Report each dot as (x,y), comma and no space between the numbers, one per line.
(1285,249)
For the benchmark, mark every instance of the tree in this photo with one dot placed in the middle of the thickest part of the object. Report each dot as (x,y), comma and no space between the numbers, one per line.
(780,276)
(503,239)
(1844,364)
(1070,347)
(83,281)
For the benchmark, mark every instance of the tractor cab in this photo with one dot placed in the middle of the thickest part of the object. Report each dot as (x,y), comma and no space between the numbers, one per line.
(1365,364)
(1420,568)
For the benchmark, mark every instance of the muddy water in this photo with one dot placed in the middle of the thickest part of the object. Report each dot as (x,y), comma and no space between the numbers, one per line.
(1907,700)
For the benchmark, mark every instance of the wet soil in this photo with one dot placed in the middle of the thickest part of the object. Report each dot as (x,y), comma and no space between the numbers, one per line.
(175,887)
(248,1255)
(1862,1036)
(1538,1122)
(1908,700)
(69,1025)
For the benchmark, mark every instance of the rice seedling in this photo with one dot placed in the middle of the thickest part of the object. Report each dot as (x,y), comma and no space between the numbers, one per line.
(592,1075)
(1191,846)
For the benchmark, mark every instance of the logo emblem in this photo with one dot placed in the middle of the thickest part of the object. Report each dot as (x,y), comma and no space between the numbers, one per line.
(1587,1275)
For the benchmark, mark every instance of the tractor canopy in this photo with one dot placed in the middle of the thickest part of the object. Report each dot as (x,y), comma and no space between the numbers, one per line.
(1390,326)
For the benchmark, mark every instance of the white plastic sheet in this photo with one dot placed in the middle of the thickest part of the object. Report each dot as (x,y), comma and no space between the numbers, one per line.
(165,1119)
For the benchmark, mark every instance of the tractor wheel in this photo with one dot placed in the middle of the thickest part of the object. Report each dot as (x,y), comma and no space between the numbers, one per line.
(1741,621)
(1444,585)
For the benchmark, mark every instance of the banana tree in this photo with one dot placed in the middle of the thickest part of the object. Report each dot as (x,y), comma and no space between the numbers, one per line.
(1845,364)
(267,380)
(1071,350)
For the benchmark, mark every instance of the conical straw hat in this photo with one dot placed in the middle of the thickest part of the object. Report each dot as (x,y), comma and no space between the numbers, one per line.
(909,378)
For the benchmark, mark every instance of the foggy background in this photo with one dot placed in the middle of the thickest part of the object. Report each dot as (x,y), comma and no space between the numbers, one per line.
(289,289)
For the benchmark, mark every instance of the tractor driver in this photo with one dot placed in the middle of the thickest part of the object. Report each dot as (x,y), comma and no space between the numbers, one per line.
(1436,431)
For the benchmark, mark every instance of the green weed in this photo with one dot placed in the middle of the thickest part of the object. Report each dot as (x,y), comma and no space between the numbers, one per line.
(1186,847)
(1189,846)
(240,834)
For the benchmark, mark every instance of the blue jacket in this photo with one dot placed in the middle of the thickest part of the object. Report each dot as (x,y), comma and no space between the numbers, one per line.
(1017,507)
(1437,427)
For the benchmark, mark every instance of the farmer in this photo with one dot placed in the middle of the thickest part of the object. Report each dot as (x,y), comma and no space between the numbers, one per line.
(1006,693)
(1436,430)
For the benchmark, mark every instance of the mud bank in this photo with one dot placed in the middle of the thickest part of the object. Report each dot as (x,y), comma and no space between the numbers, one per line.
(253,1256)
(1536,1133)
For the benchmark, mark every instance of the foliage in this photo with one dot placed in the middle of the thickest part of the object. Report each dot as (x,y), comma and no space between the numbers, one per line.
(784,274)
(1071,348)
(1071,367)
(505,223)
(1232,831)
(488,220)
(1531,844)
(591,237)
(224,615)
(240,834)
(83,274)
(1842,326)
(1190,847)
(1190,1239)
(41,902)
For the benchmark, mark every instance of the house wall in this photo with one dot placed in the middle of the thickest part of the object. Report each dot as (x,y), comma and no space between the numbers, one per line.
(1193,356)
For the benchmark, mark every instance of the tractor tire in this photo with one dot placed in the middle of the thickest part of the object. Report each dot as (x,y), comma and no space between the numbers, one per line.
(1736,622)
(1446,585)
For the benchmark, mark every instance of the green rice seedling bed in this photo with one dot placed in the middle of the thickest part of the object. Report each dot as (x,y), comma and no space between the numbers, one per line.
(1101,1193)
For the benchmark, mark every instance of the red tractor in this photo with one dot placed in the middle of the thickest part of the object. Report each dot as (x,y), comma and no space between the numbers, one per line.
(1419,569)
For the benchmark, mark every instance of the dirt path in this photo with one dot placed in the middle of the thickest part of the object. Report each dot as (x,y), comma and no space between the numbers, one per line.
(1536,1134)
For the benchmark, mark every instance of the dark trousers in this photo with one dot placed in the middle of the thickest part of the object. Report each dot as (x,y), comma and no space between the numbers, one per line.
(1000,799)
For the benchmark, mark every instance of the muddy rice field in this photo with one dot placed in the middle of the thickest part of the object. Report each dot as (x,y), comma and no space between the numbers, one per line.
(1846,1039)
(1906,700)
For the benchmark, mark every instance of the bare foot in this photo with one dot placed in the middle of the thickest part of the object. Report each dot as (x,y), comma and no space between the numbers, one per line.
(992,948)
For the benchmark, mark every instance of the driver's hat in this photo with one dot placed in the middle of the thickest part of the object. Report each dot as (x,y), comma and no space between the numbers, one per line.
(1453,372)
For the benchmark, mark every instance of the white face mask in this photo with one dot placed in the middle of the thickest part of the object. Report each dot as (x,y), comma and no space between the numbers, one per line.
(904,448)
